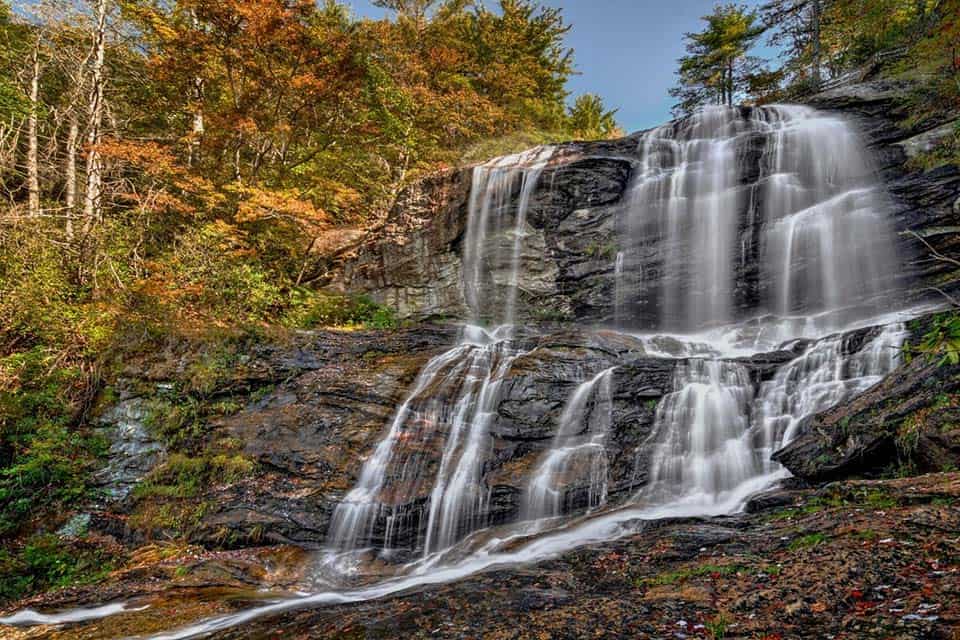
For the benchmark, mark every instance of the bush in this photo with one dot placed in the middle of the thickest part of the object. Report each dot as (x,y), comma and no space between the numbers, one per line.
(46,562)
(212,269)
(43,461)
(312,309)
(941,343)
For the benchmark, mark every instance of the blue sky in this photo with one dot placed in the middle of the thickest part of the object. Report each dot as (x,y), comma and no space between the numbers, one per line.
(625,50)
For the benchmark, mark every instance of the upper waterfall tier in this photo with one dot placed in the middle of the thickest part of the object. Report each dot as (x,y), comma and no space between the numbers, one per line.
(785,188)
(791,217)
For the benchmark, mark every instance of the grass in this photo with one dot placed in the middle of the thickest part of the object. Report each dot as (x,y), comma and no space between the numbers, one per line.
(807,542)
(717,627)
(682,575)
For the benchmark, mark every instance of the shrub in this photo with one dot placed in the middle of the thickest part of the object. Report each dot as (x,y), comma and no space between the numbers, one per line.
(46,562)
(43,460)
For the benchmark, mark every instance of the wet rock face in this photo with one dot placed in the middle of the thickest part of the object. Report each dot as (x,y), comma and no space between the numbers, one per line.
(909,422)
(133,450)
(414,264)
(313,406)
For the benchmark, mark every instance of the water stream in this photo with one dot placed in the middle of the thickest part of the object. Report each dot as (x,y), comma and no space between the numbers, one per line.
(577,456)
(785,187)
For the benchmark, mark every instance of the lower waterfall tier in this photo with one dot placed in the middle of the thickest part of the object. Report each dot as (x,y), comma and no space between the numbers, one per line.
(508,427)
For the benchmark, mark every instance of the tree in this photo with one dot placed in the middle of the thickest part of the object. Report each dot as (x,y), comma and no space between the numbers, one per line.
(797,29)
(93,205)
(589,119)
(717,68)
(418,10)
(33,148)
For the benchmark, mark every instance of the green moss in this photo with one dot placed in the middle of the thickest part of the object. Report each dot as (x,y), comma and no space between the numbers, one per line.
(607,251)
(867,535)
(178,424)
(877,499)
(690,572)
(182,476)
(172,498)
(807,541)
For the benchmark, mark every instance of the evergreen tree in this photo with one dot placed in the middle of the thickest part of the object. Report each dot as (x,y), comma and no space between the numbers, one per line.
(797,27)
(589,119)
(718,68)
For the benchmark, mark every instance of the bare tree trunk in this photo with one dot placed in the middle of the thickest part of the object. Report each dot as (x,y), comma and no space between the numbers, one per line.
(817,44)
(196,135)
(33,163)
(70,173)
(730,86)
(237,170)
(198,124)
(92,206)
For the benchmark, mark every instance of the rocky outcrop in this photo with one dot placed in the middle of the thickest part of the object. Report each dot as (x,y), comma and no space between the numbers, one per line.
(307,409)
(133,450)
(907,424)
(568,273)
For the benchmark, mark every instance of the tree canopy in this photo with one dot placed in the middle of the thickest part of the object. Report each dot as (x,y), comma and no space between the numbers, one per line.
(717,68)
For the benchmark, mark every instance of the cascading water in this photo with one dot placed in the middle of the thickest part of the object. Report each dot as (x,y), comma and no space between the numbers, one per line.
(491,203)
(702,429)
(754,227)
(451,400)
(455,396)
(786,186)
(715,437)
(577,456)
(821,378)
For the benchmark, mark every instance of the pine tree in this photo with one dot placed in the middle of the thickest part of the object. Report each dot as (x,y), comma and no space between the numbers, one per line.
(589,119)
(797,29)
(717,68)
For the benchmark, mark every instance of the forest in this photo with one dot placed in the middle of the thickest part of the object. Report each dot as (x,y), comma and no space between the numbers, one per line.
(195,168)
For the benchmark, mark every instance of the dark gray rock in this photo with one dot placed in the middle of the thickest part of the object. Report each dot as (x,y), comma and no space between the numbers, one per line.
(567,273)
(910,420)
(133,451)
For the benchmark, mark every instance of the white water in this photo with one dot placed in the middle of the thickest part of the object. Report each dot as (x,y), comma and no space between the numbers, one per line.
(490,207)
(454,398)
(826,252)
(578,455)
(451,403)
(702,433)
(818,380)
(824,242)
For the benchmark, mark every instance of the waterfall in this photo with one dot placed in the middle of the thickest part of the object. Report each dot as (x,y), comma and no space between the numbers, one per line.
(786,186)
(490,205)
(714,437)
(821,378)
(455,396)
(452,400)
(577,457)
(827,239)
(744,230)
(702,431)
